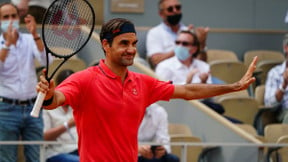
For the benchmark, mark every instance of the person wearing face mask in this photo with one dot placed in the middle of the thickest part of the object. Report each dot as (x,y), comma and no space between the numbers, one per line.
(17,83)
(276,86)
(184,68)
(160,39)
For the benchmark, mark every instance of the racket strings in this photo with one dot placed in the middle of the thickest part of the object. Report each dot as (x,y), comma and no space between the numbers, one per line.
(64,26)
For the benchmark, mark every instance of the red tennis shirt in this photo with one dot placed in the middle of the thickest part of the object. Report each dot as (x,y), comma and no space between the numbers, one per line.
(108,112)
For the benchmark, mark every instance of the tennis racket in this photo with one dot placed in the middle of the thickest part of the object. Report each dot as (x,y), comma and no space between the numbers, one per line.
(67,24)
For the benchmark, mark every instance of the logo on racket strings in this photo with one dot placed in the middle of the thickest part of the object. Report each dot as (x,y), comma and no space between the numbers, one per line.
(67,25)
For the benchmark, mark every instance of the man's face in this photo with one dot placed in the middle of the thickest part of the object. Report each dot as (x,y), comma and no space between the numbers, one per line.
(8,12)
(186,40)
(122,50)
(170,7)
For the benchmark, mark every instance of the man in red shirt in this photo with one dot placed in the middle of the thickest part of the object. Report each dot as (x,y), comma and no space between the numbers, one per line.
(109,101)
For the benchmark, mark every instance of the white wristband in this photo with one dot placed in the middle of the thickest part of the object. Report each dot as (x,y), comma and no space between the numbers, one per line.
(5,47)
(66,125)
(281,89)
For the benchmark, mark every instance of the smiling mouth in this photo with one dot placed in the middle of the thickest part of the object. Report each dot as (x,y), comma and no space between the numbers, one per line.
(129,56)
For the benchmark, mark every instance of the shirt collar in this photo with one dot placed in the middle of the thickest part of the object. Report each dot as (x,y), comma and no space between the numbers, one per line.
(106,71)
(104,68)
(167,28)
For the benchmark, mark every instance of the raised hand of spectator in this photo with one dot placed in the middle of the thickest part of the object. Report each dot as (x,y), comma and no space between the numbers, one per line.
(31,24)
(204,77)
(202,33)
(11,35)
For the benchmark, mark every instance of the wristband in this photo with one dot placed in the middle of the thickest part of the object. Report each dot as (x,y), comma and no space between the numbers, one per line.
(48,102)
(281,89)
(5,47)
(37,38)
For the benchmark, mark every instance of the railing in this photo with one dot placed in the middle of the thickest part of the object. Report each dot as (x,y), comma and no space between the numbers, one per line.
(184,147)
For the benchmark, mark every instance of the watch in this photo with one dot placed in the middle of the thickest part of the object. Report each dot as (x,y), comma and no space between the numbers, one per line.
(5,47)
(281,89)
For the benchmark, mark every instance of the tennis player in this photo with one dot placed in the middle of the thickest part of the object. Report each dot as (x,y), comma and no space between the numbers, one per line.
(109,101)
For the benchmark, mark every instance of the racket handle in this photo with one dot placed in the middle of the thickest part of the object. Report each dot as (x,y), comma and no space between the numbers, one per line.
(37,105)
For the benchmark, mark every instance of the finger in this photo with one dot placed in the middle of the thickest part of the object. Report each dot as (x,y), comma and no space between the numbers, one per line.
(252,65)
(43,79)
(44,71)
(52,83)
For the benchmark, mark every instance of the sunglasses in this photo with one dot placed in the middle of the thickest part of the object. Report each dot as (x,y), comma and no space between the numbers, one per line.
(171,8)
(183,43)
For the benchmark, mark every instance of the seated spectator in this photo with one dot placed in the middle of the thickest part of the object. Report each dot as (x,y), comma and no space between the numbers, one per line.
(59,126)
(160,39)
(154,128)
(184,68)
(276,92)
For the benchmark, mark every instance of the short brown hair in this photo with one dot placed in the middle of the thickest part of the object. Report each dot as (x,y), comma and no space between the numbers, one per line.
(8,3)
(196,42)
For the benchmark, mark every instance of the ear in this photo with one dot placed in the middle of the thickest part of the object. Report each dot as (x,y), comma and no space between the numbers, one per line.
(160,12)
(193,50)
(105,45)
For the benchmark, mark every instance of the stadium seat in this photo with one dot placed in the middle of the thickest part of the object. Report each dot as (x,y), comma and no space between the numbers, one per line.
(219,54)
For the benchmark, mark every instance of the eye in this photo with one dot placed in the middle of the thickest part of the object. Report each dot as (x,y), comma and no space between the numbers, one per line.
(14,16)
(124,42)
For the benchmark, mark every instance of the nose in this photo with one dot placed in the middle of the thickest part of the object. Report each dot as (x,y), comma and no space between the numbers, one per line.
(131,49)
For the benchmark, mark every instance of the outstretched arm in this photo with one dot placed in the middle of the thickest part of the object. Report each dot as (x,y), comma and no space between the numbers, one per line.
(198,91)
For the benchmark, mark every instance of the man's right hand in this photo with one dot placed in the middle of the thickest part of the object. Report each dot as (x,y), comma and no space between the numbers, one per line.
(45,87)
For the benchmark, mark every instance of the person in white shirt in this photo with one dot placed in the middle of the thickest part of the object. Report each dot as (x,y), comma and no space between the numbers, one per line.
(154,128)
(18,79)
(160,39)
(276,91)
(59,125)
(184,68)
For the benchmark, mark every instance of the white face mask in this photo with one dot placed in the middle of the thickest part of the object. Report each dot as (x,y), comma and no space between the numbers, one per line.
(5,24)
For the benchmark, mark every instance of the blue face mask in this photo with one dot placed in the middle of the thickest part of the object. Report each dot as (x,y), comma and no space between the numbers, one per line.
(182,53)
(5,24)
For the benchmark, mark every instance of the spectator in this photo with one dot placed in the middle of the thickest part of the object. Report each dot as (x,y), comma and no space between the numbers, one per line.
(36,8)
(154,128)
(276,93)
(17,83)
(59,126)
(112,100)
(184,68)
(160,39)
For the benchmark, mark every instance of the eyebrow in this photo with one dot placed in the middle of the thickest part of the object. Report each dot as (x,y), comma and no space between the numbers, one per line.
(8,15)
(125,41)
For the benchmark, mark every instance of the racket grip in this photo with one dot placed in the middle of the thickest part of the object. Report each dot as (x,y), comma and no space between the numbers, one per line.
(38,104)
